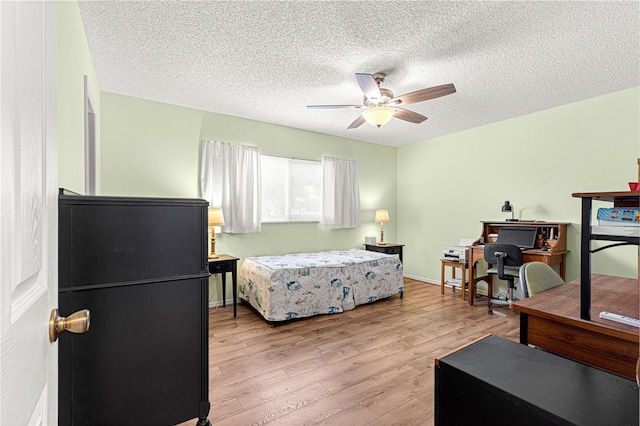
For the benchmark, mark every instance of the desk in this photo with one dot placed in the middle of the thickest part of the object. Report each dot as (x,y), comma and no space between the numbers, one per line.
(223,264)
(476,253)
(454,265)
(388,248)
(551,320)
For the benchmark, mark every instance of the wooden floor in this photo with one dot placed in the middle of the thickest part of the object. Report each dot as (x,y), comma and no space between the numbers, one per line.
(369,366)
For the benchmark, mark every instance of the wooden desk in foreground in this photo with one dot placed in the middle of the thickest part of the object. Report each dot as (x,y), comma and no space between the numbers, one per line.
(551,320)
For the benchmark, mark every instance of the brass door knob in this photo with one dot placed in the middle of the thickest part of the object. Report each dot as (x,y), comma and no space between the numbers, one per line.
(77,322)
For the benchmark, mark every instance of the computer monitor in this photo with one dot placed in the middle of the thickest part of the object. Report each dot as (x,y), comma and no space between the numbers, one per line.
(523,237)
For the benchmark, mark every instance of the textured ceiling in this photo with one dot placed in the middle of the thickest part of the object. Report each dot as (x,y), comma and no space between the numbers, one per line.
(267,60)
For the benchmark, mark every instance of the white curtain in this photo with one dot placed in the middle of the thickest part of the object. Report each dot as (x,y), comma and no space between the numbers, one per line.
(340,194)
(230,179)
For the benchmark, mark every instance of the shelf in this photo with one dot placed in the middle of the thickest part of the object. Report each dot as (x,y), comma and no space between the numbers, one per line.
(614,197)
(624,238)
(619,199)
(608,195)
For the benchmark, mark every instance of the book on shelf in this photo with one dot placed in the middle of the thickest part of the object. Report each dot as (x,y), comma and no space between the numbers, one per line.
(621,231)
(617,216)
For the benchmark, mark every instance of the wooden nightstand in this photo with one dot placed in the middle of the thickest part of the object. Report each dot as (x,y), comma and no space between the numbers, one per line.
(388,248)
(223,264)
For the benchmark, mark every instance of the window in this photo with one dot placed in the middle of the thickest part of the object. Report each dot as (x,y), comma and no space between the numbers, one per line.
(291,189)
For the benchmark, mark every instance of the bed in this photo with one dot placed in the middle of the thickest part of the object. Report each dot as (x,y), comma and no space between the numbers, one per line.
(300,285)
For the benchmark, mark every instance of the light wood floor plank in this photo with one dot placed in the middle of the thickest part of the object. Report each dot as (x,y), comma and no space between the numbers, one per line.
(413,413)
(272,411)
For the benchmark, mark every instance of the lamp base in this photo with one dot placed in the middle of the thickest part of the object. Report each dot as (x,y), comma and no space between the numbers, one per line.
(212,252)
(382,243)
(513,220)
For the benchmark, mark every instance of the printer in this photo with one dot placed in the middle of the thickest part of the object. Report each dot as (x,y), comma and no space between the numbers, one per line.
(458,253)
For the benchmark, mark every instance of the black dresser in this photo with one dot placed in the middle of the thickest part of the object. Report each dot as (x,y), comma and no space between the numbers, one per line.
(139,265)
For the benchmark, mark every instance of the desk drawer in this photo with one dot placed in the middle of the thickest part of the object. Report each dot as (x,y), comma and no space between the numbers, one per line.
(604,349)
(220,267)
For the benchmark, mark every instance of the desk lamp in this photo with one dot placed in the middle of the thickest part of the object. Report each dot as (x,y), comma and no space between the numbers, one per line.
(382,216)
(508,207)
(216,218)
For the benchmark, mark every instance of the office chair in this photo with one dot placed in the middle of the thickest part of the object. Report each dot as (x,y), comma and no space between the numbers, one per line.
(537,277)
(508,259)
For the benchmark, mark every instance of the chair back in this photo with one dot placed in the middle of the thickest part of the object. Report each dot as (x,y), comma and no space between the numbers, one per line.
(503,255)
(537,277)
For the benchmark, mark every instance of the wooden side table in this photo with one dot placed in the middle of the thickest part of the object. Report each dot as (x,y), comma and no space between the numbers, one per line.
(221,265)
(455,265)
(388,248)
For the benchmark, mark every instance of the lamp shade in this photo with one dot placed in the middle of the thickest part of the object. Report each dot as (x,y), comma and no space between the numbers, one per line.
(507,207)
(378,116)
(382,216)
(216,218)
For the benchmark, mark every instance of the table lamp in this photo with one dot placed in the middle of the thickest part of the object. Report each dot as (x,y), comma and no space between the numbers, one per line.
(382,216)
(216,218)
(508,207)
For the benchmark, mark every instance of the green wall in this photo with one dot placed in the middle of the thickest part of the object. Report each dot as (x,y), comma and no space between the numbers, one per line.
(153,149)
(73,63)
(447,185)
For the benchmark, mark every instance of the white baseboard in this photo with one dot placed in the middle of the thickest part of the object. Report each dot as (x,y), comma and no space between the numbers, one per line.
(430,281)
(217,303)
(423,279)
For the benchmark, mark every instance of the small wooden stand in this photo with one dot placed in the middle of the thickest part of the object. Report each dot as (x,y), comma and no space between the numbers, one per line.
(454,265)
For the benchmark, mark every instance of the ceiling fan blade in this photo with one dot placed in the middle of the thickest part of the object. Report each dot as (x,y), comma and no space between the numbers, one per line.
(369,87)
(333,106)
(357,123)
(410,116)
(424,94)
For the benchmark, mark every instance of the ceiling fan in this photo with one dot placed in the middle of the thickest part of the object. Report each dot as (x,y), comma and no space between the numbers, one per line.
(381,105)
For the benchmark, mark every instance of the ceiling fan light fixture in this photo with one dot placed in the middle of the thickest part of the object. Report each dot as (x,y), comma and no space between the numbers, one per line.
(380,103)
(378,116)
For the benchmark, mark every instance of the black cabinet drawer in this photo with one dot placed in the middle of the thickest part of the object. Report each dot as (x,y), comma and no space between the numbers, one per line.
(220,267)
(119,239)
(390,249)
(150,334)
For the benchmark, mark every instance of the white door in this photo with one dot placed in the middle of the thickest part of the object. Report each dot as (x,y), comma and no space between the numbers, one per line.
(28,213)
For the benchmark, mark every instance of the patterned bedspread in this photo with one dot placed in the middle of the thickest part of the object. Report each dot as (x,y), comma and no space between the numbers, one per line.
(304,284)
